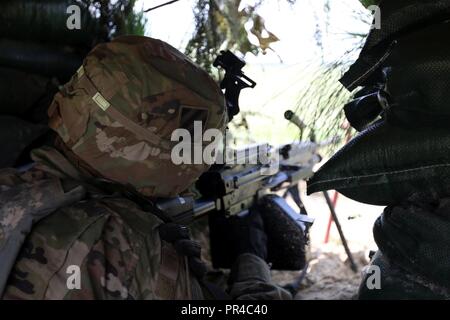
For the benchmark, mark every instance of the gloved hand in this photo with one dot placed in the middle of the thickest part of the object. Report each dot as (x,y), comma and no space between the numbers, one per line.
(247,235)
(179,236)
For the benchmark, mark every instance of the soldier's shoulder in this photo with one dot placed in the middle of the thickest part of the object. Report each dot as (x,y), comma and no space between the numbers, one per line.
(98,219)
(75,207)
(111,252)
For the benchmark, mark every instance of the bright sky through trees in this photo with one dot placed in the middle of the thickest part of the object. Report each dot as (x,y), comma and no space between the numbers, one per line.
(295,25)
(279,85)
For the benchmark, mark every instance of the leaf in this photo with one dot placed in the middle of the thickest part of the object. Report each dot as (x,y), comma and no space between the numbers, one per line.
(258,29)
(221,25)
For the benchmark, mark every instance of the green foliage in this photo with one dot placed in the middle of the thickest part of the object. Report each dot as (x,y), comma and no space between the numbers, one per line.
(229,24)
(101,20)
(221,24)
(134,24)
(116,17)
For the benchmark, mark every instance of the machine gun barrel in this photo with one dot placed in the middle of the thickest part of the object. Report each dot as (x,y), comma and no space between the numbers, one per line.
(232,189)
(184,210)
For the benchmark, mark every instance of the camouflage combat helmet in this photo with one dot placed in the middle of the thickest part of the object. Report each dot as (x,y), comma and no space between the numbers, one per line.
(118,112)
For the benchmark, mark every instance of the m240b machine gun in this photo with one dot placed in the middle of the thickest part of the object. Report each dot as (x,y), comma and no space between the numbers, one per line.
(231,190)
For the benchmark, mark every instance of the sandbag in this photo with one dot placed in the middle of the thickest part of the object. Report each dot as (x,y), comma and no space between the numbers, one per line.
(403,114)
(20,91)
(414,251)
(416,236)
(45,60)
(385,164)
(397,283)
(417,81)
(46,21)
(16,136)
(413,88)
(397,18)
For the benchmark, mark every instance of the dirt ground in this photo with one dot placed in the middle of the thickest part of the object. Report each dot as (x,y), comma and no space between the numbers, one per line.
(329,274)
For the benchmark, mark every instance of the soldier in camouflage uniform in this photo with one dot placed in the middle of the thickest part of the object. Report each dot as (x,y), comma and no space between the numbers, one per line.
(114,120)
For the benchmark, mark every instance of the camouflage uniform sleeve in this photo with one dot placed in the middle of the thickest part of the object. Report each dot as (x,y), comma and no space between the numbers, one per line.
(251,280)
(113,259)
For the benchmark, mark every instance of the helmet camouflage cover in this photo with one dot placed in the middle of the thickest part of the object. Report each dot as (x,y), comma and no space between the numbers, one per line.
(118,112)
